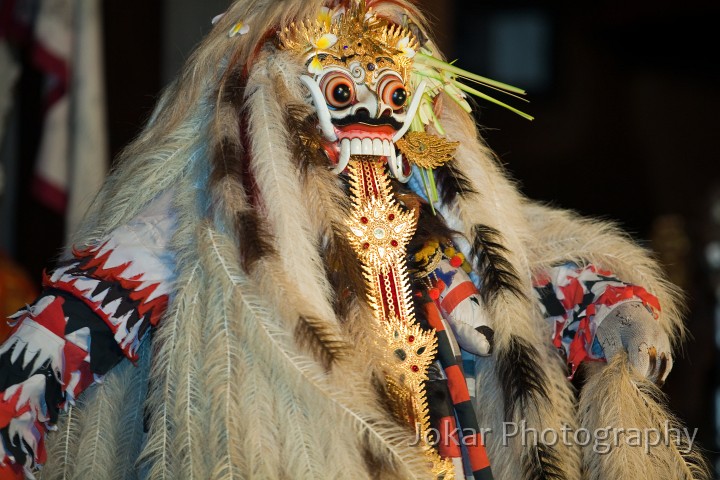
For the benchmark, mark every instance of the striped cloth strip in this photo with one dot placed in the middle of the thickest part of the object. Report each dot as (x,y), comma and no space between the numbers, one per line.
(464,413)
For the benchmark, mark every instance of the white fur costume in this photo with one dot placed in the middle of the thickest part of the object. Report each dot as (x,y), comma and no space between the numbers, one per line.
(253,373)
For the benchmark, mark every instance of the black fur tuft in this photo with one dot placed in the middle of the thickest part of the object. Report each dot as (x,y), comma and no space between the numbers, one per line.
(227,156)
(255,241)
(495,269)
(321,339)
(522,382)
(451,183)
(305,138)
(227,161)
(543,464)
(233,88)
(524,386)
(344,272)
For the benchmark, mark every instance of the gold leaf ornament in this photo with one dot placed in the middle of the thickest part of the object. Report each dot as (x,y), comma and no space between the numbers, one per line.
(379,231)
(426,150)
(410,350)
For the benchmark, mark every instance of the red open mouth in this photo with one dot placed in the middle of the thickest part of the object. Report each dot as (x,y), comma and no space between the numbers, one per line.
(361,139)
(363,130)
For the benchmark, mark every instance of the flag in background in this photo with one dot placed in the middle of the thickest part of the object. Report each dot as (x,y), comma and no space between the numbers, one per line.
(10,73)
(89,149)
(73,153)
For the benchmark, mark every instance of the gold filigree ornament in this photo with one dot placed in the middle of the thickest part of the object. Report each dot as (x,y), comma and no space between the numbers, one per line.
(409,351)
(426,150)
(379,232)
(356,35)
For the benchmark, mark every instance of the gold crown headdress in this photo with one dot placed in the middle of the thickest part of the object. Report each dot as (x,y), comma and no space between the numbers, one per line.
(357,34)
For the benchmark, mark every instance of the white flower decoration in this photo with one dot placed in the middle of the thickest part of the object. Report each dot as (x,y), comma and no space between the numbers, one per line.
(240,28)
(325,17)
(403,46)
(325,42)
(315,66)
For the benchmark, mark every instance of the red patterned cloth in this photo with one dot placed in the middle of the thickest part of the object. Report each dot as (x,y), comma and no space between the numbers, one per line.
(577,299)
(95,310)
(45,365)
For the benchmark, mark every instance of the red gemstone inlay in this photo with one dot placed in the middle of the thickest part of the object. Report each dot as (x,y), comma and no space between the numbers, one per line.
(366,246)
(411,338)
(415,368)
(364,220)
(391,217)
(394,243)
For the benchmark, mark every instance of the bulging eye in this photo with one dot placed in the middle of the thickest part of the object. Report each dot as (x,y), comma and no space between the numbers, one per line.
(339,90)
(392,92)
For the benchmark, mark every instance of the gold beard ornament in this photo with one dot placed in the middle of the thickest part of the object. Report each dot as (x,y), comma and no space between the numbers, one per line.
(379,231)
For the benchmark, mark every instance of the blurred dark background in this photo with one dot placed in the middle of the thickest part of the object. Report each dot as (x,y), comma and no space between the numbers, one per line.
(625,96)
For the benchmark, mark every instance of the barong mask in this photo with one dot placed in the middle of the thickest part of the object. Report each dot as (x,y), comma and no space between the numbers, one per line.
(358,80)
